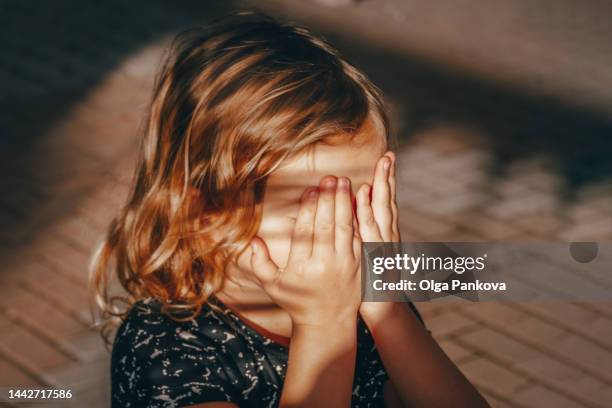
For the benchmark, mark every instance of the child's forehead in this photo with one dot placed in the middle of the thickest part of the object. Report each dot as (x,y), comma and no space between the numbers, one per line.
(355,160)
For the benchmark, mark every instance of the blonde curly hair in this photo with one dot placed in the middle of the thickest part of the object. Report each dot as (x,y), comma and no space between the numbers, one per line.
(232,100)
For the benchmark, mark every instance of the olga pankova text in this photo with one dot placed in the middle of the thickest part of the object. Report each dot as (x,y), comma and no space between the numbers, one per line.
(406,285)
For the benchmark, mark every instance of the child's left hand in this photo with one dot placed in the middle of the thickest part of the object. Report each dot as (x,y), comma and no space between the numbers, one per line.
(378,219)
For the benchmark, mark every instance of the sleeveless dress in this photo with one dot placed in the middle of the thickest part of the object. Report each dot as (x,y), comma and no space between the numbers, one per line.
(160,362)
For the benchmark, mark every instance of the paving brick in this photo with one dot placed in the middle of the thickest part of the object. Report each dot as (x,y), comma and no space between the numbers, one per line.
(587,389)
(66,293)
(564,379)
(602,307)
(447,139)
(584,212)
(141,67)
(604,395)
(454,351)
(89,372)
(88,346)
(28,350)
(436,185)
(408,235)
(558,343)
(465,160)
(66,167)
(594,230)
(10,375)
(549,368)
(99,209)
(123,171)
(509,188)
(535,331)
(494,401)
(417,157)
(600,329)
(410,198)
(565,313)
(475,178)
(497,345)
(459,203)
(494,312)
(542,225)
(108,130)
(430,309)
(65,259)
(22,305)
(487,227)
(541,179)
(528,204)
(463,236)
(591,324)
(104,100)
(590,357)
(542,397)
(424,225)
(493,377)
(448,323)
(80,232)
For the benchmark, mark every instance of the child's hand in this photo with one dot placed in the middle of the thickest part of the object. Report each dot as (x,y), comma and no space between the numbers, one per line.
(378,217)
(321,284)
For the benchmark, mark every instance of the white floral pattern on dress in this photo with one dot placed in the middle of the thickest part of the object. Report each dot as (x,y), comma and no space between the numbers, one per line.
(161,362)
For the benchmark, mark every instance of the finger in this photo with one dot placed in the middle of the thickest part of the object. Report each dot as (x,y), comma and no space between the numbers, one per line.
(381,198)
(393,189)
(264,269)
(391,179)
(356,237)
(301,240)
(324,219)
(343,217)
(356,246)
(368,229)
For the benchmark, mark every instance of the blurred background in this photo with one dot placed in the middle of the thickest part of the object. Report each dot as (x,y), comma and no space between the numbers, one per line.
(503,112)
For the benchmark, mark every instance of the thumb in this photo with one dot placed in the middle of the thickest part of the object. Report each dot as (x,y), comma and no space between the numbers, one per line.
(263,267)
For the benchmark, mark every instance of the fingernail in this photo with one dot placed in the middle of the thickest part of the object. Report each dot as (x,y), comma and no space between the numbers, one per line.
(254,247)
(312,194)
(365,190)
(330,183)
(386,163)
(343,183)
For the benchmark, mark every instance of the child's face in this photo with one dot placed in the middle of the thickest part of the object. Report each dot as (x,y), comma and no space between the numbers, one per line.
(285,185)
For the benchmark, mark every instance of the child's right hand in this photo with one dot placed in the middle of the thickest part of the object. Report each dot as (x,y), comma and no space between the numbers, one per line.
(321,282)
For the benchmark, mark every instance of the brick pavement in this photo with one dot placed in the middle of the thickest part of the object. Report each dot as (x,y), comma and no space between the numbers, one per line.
(519,355)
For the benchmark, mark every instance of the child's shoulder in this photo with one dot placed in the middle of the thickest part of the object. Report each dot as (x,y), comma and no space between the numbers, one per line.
(146,326)
(143,330)
(156,355)
(143,316)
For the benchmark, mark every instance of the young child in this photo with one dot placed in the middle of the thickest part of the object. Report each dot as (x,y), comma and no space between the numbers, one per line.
(264,166)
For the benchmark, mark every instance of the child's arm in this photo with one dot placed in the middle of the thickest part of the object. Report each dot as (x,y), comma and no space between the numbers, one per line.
(320,289)
(421,374)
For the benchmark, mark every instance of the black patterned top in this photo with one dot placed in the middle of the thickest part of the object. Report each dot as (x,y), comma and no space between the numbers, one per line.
(160,362)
